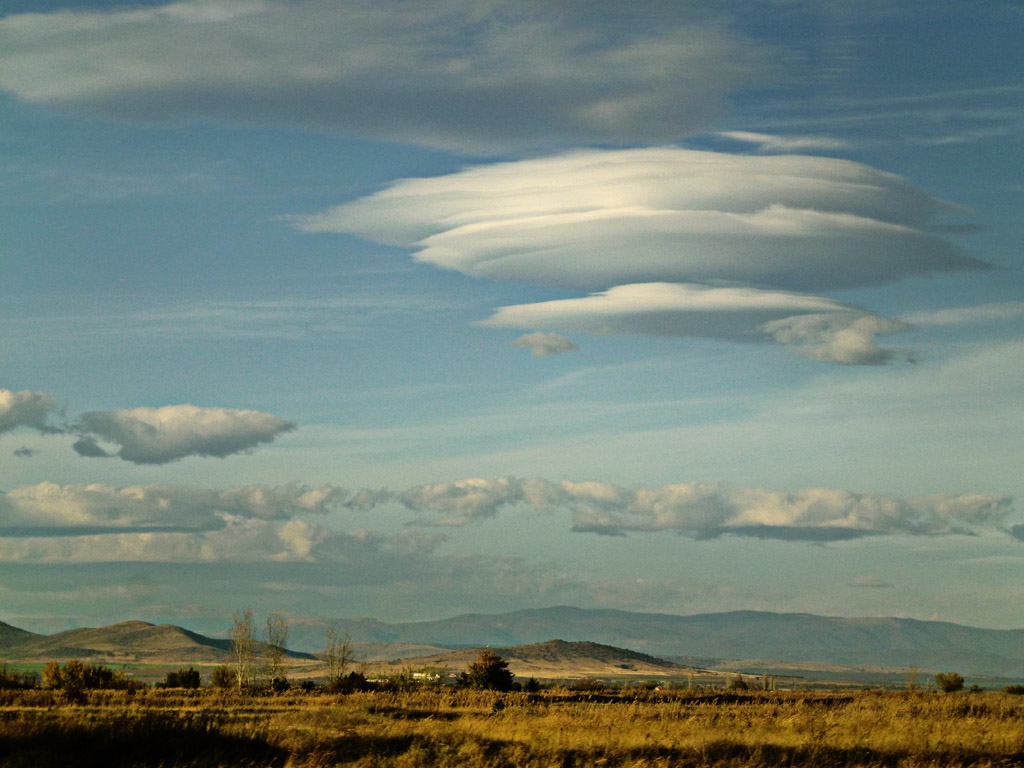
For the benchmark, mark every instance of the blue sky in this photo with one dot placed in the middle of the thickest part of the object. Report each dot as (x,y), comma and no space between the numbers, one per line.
(405,310)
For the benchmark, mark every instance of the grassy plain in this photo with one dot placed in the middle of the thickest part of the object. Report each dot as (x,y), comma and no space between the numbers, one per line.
(473,729)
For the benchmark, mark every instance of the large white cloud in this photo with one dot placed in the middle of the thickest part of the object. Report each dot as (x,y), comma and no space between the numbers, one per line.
(162,435)
(25,409)
(452,73)
(681,242)
(595,219)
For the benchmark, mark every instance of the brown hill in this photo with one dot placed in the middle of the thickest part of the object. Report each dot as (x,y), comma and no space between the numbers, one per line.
(127,642)
(554,660)
(12,636)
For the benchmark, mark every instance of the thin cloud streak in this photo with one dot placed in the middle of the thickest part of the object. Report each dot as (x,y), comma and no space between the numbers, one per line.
(457,73)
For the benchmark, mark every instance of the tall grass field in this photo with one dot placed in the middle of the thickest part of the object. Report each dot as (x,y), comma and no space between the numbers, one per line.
(471,729)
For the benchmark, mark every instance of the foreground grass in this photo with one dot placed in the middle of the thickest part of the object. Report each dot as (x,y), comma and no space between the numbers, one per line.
(476,729)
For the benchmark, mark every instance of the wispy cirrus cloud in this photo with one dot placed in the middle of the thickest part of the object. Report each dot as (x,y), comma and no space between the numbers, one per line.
(455,73)
(782,143)
(974,315)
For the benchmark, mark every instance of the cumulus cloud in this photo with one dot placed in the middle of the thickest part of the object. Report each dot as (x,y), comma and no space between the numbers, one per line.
(162,435)
(452,73)
(25,409)
(675,242)
(706,511)
(710,510)
(463,500)
(545,344)
(818,327)
(842,337)
(48,509)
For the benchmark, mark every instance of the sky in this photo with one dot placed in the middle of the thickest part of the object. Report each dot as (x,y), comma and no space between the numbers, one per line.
(406,310)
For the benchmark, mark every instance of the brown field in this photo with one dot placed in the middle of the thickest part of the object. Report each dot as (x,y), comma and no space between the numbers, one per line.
(633,727)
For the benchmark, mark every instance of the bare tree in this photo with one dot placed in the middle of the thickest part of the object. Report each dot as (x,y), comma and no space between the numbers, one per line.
(276,635)
(338,654)
(243,647)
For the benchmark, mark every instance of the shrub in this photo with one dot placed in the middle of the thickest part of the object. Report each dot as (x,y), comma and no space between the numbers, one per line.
(356,682)
(279,684)
(949,682)
(223,677)
(1014,690)
(17,681)
(738,684)
(489,671)
(76,676)
(183,678)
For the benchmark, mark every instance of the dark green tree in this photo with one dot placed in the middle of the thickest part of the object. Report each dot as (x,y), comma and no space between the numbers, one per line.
(490,672)
(182,678)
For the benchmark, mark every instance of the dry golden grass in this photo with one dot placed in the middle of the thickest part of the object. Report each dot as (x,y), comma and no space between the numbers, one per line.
(472,729)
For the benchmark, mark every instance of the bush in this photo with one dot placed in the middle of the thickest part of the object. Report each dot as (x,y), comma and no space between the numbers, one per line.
(738,684)
(1014,690)
(183,678)
(223,677)
(490,672)
(356,682)
(76,676)
(949,682)
(17,681)
(280,684)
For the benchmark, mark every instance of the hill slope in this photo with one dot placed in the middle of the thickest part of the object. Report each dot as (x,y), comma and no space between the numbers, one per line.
(554,659)
(12,636)
(129,641)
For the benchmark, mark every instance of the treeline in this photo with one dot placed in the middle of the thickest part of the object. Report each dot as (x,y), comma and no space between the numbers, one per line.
(488,672)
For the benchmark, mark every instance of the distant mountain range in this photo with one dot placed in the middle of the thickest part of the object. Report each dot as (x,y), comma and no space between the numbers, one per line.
(751,640)
(702,639)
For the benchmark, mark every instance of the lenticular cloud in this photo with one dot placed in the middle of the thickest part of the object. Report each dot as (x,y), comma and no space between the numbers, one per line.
(726,245)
